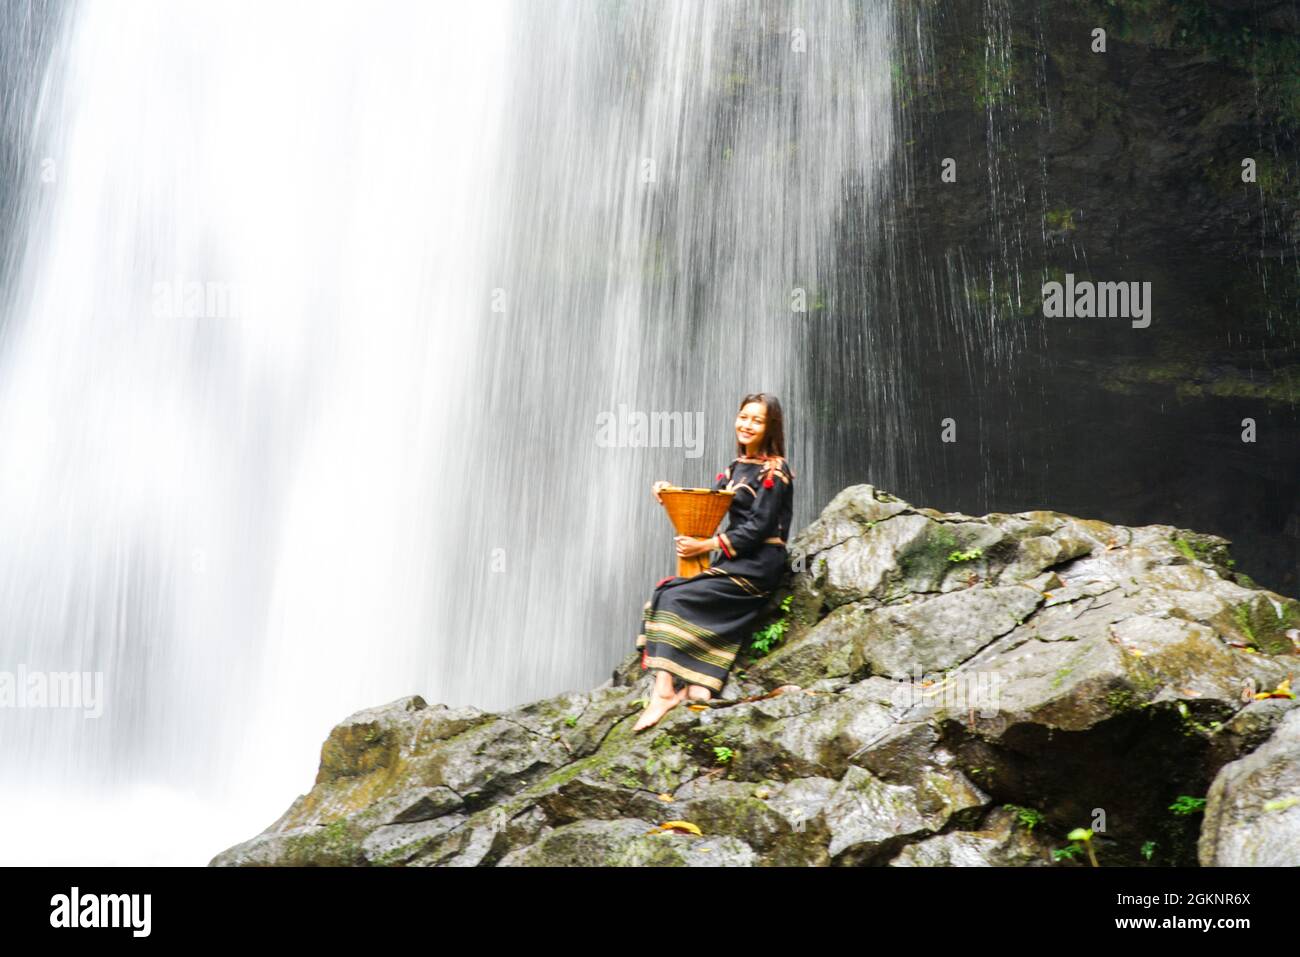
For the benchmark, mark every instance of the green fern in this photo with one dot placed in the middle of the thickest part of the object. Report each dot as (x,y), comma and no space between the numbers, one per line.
(765,639)
(1185,805)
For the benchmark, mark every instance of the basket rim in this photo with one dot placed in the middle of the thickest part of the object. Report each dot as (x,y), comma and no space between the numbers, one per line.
(698,491)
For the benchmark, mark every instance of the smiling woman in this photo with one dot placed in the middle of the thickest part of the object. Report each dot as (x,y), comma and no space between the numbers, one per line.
(693,627)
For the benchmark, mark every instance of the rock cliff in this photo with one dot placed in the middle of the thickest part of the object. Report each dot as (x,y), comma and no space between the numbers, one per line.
(1122,165)
(942,690)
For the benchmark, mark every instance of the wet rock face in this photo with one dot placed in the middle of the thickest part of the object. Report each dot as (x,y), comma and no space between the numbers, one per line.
(951,690)
(1117,166)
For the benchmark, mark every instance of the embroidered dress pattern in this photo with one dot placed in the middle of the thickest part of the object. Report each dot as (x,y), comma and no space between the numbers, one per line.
(694,627)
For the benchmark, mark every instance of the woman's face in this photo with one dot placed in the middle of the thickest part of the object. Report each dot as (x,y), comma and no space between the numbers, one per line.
(751,425)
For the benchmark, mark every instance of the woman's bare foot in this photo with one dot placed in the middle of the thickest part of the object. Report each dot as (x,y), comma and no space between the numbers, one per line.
(657,708)
(698,693)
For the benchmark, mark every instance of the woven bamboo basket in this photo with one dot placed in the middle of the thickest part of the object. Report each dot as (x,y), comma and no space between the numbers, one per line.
(696,512)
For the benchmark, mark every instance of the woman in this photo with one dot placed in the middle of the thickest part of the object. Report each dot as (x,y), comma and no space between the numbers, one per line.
(693,627)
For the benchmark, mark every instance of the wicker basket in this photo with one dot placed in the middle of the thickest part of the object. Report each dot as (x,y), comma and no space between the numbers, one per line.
(696,512)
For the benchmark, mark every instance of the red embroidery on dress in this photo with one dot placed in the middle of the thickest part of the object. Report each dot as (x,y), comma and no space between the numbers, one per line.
(662,580)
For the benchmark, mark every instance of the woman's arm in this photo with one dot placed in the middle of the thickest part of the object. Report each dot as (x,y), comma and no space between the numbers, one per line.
(688,547)
(763,518)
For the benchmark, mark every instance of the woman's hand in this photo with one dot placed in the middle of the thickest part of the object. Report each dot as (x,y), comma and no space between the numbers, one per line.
(659,487)
(688,547)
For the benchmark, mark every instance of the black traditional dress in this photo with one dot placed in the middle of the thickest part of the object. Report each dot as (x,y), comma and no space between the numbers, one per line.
(694,627)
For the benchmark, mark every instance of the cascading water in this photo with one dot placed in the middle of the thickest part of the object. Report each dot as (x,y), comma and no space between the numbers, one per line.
(674,174)
(242,304)
(305,361)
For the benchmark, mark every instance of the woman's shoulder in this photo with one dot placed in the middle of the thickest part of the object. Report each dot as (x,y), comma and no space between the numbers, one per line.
(781,468)
(774,468)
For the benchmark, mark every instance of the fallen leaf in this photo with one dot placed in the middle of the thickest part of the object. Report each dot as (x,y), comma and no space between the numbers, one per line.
(1283,690)
(680,827)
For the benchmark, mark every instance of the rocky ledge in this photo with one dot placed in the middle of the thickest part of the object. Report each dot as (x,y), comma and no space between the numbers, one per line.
(942,690)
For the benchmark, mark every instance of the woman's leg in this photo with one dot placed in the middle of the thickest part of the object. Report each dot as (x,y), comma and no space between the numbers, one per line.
(695,627)
(662,700)
(680,629)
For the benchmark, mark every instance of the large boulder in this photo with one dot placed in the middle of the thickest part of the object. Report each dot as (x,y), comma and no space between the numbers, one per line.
(1252,814)
(950,690)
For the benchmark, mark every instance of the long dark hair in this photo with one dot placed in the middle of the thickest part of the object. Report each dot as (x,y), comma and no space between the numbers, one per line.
(774,433)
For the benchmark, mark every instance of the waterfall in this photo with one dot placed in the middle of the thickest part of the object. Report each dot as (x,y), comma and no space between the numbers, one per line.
(674,175)
(308,332)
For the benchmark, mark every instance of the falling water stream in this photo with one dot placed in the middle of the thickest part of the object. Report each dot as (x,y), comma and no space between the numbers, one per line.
(673,176)
(313,313)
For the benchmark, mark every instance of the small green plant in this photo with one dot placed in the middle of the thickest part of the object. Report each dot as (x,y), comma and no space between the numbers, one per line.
(993,75)
(967,556)
(1185,804)
(571,721)
(1193,725)
(765,639)
(723,754)
(1067,853)
(1197,550)
(1082,836)
(1241,614)
(1059,220)
(1148,849)
(1026,817)
(666,740)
